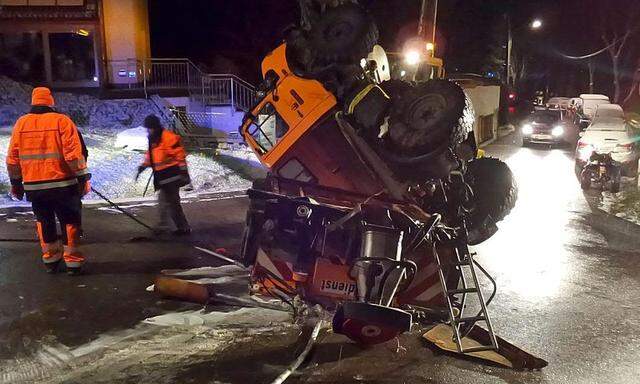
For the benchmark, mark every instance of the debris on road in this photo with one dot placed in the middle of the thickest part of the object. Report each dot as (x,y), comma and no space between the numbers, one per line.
(507,355)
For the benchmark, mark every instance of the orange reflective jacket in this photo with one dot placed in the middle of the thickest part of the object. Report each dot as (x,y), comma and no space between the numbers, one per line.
(45,152)
(168,160)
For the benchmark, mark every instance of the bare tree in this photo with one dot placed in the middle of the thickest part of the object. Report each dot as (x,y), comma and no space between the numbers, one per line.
(618,24)
(519,68)
(634,89)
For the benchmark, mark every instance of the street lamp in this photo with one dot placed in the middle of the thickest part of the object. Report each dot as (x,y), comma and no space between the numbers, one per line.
(536,24)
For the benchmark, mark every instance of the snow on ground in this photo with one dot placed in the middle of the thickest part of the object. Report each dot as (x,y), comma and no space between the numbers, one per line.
(105,125)
(93,115)
(625,204)
(113,170)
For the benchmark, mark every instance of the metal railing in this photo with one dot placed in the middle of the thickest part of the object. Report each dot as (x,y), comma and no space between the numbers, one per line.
(226,89)
(182,74)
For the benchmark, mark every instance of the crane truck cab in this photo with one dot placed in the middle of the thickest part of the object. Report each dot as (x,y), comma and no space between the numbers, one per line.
(293,131)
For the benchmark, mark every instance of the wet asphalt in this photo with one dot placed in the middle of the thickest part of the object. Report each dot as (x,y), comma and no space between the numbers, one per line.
(566,292)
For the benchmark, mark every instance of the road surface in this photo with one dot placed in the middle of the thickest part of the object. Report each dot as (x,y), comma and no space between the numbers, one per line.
(566,293)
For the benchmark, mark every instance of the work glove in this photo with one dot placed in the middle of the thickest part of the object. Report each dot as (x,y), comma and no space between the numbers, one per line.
(140,170)
(84,188)
(17,191)
(84,184)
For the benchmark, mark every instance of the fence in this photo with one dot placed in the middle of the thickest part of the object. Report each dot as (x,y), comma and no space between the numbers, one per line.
(182,74)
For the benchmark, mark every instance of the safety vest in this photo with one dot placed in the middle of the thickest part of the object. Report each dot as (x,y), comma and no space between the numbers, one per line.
(45,152)
(167,158)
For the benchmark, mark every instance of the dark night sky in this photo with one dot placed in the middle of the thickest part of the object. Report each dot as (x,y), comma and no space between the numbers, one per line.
(232,36)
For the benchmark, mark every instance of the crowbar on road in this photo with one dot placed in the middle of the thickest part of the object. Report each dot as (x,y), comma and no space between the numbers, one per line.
(116,206)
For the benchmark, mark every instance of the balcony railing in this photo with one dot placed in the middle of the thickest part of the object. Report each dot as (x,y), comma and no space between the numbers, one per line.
(181,74)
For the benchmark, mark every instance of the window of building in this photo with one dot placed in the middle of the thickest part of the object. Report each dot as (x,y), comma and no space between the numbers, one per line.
(22,56)
(72,56)
(268,128)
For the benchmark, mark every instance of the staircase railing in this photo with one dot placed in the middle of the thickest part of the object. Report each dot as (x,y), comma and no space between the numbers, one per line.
(156,74)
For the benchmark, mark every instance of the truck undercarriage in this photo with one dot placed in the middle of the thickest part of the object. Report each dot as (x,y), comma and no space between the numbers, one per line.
(376,190)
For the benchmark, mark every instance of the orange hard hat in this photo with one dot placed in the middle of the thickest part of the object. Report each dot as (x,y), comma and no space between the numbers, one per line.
(42,96)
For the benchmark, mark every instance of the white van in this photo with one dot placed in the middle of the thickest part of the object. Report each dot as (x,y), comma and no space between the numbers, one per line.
(590,103)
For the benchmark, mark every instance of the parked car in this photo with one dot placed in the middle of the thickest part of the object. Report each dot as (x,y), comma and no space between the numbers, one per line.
(608,112)
(558,102)
(587,107)
(610,133)
(547,126)
(590,103)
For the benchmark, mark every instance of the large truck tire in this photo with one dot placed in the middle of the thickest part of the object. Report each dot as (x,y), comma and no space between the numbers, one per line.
(494,195)
(433,114)
(426,123)
(342,35)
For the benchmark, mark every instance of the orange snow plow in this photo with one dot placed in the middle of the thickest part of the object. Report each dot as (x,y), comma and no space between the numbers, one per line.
(374,194)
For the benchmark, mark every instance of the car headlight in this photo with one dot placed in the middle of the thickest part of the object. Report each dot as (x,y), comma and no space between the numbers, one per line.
(557,131)
(527,129)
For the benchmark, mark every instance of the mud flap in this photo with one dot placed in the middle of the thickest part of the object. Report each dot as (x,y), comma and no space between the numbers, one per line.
(508,355)
(370,324)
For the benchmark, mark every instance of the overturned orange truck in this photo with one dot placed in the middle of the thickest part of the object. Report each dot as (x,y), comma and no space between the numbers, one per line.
(375,190)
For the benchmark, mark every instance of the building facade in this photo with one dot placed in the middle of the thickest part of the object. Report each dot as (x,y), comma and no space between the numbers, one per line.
(74,43)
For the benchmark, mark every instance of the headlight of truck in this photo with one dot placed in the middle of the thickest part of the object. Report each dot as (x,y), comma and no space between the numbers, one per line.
(527,129)
(557,131)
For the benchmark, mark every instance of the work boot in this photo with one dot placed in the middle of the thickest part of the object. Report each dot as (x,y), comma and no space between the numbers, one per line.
(74,271)
(52,268)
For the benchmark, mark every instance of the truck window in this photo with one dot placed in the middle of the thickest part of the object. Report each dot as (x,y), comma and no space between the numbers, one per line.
(268,128)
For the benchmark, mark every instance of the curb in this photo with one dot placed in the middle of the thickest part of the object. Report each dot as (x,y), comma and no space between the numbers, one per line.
(606,222)
(98,203)
(506,130)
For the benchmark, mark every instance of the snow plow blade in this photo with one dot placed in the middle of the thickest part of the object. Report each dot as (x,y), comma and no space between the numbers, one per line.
(508,355)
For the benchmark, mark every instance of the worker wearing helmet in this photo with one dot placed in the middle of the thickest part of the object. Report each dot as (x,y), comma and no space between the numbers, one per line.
(167,158)
(46,160)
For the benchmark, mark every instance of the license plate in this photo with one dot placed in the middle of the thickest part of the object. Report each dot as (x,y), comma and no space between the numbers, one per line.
(541,137)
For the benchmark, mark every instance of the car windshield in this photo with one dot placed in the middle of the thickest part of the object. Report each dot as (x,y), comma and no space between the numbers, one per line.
(591,105)
(609,113)
(546,117)
(611,125)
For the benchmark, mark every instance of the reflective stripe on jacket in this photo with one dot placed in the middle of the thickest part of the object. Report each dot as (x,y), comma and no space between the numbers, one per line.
(168,160)
(45,152)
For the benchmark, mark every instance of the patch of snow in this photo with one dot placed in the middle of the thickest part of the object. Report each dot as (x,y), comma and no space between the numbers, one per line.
(212,272)
(624,204)
(126,207)
(133,139)
(109,130)
(93,115)
(243,317)
(113,173)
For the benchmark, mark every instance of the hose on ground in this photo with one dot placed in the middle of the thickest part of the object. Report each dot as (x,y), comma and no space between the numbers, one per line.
(302,357)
